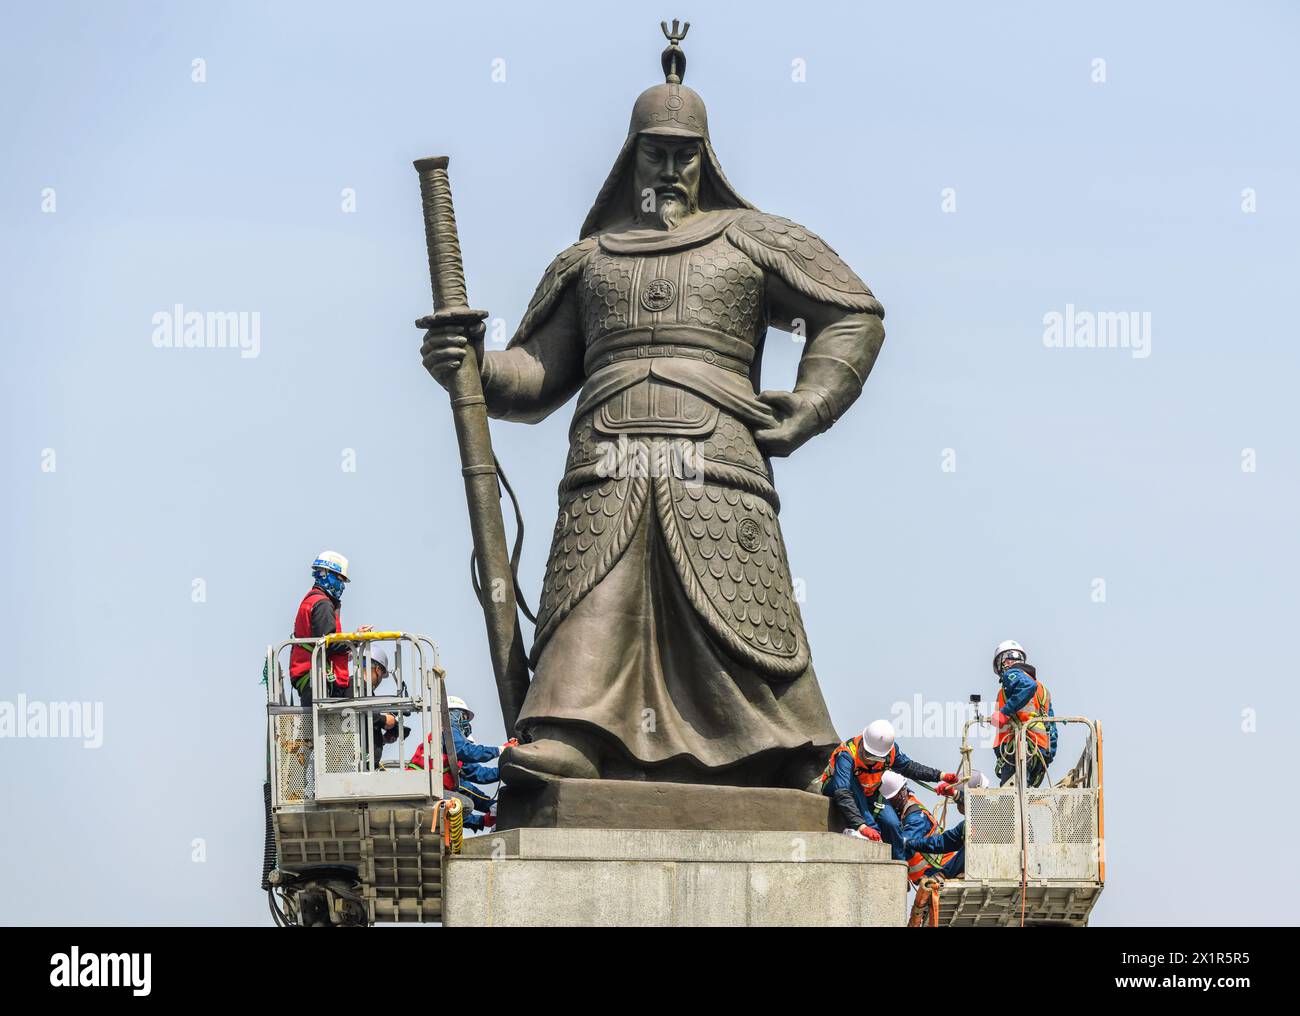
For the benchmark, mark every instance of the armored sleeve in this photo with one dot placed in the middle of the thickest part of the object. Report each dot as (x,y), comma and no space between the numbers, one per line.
(811,291)
(542,366)
(803,261)
(555,280)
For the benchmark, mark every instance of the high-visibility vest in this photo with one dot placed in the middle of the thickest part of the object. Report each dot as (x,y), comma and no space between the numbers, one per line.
(869,771)
(1036,706)
(300,656)
(919,863)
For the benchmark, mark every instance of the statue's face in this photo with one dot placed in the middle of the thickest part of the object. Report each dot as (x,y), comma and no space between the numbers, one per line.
(667,179)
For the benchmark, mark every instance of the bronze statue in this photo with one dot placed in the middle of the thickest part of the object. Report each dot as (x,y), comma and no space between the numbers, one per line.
(669,645)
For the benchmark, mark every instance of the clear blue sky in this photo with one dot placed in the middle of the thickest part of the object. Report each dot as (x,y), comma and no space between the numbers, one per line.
(1072,464)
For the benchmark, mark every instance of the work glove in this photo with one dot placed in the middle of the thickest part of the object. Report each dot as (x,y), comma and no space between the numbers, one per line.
(948,777)
(867,832)
(998,719)
(946,789)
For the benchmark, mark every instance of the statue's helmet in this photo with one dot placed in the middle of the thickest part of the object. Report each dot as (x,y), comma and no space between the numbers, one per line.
(668,110)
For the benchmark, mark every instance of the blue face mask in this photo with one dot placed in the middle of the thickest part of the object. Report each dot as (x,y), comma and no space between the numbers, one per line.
(331,583)
(460,721)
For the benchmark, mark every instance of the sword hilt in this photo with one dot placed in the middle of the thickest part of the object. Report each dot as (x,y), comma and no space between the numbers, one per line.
(446,269)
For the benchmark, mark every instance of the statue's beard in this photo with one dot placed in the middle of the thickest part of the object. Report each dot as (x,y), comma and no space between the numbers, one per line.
(670,210)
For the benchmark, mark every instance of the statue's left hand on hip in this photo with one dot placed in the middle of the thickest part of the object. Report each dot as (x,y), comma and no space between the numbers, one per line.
(796,422)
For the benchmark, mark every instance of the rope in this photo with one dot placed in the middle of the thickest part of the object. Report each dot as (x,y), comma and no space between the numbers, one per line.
(925,908)
(1024,834)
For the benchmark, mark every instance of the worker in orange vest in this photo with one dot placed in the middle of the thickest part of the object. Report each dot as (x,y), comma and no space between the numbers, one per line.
(944,850)
(917,824)
(852,780)
(1021,697)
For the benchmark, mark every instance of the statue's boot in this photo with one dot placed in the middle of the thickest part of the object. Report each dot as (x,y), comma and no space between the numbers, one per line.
(802,771)
(565,755)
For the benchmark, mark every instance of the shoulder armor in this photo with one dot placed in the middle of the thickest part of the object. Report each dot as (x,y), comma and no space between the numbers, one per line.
(557,276)
(803,260)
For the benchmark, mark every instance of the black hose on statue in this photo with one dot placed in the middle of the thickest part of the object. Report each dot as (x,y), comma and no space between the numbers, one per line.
(514,553)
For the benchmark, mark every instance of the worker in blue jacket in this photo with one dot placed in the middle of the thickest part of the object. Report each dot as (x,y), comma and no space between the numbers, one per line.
(914,821)
(852,780)
(1021,697)
(929,848)
(471,768)
(948,848)
(474,768)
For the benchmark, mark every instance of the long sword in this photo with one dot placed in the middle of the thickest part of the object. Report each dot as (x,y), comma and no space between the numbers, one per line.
(478,465)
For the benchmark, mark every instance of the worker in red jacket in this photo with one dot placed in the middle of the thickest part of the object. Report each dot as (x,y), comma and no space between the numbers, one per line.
(318,615)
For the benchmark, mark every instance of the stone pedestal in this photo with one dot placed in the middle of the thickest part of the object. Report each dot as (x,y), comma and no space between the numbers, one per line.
(629,804)
(584,877)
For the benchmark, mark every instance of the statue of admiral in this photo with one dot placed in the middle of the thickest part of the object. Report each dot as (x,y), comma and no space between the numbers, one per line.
(669,644)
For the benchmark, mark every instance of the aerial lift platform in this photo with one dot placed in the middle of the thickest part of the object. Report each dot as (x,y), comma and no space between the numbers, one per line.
(356,835)
(1034,855)
(353,836)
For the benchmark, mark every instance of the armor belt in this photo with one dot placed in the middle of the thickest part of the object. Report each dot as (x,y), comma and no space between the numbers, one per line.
(671,341)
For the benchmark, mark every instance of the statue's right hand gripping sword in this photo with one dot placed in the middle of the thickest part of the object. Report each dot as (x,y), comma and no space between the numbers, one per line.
(478,465)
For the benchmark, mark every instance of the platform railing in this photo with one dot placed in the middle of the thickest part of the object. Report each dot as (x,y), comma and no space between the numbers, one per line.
(1043,835)
(329,752)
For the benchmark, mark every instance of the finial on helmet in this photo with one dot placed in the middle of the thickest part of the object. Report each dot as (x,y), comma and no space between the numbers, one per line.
(673,59)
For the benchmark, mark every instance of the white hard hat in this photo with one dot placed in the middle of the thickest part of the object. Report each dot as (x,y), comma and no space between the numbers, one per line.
(1009,646)
(878,737)
(891,783)
(977,781)
(456,702)
(332,561)
(378,654)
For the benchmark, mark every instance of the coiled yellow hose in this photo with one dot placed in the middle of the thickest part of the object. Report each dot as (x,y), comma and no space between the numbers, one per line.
(453,823)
